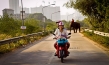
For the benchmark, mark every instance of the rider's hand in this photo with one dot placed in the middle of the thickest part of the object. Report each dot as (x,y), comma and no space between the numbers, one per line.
(68,37)
(54,38)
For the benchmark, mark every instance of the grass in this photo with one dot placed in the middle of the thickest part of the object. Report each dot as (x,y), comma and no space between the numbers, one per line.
(104,41)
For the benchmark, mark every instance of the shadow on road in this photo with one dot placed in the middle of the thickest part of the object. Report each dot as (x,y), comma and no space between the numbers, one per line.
(27,58)
(87,58)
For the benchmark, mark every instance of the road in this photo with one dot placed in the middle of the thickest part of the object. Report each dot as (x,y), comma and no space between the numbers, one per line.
(82,52)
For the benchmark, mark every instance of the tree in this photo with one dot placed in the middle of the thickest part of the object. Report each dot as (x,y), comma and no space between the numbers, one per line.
(9,26)
(50,26)
(37,16)
(96,10)
(66,24)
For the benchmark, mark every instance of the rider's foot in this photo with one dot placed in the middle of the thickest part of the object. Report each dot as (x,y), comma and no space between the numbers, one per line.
(55,54)
(68,52)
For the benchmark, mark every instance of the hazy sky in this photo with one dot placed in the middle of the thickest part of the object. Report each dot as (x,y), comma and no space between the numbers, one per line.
(34,3)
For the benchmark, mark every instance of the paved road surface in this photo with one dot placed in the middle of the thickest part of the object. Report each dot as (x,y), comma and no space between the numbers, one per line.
(82,52)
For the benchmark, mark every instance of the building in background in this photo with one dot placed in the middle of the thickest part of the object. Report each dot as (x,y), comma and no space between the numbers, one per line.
(24,9)
(76,16)
(47,11)
(36,9)
(18,16)
(9,12)
(14,4)
(64,17)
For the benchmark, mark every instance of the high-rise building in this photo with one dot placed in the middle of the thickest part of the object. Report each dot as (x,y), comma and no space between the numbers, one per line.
(24,9)
(47,11)
(36,9)
(14,4)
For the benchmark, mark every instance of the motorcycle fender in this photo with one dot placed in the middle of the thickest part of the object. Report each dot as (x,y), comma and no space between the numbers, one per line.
(60,48)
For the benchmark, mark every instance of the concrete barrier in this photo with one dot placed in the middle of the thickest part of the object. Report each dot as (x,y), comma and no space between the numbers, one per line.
(98,32)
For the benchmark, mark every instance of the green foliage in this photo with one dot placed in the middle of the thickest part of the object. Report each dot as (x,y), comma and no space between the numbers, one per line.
(50,26)
(66,24)
(96,10)
(99,39)
(103,7)
(33,26)
(85,9)
(37,16)
(82,23)
(10,27)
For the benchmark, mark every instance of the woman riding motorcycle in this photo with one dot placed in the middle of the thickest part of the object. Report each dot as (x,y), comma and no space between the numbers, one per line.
(61,32)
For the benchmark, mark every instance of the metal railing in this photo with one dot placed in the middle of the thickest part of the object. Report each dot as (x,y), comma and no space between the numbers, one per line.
(15,39)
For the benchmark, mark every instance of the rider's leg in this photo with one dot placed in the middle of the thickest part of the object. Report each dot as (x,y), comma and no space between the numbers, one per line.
(68,45)
(56,47)
(66,52)
(66,49)
(70,28)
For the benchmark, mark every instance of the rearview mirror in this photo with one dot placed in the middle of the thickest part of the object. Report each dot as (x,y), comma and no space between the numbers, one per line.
(69,33)
(53,34)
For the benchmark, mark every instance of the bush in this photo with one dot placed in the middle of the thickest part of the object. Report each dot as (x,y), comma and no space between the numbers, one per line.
(10,27)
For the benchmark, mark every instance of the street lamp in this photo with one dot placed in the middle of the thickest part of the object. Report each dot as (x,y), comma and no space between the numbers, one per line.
(22,13)
(44,16)
(45,7)
(69,15)
(22,16)
(54,13)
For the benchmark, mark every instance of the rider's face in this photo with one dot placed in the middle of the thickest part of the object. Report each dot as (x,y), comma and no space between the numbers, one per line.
(57,24)
(61,27)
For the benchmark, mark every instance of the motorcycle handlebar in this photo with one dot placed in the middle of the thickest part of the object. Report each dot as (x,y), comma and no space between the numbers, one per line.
(63,36)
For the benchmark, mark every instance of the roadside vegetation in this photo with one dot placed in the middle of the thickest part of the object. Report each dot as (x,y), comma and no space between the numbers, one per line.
(97,17)
(95,11)
(10,28)
(104,41)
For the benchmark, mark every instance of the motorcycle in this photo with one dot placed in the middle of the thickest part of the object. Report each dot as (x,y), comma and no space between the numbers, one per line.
(62,46)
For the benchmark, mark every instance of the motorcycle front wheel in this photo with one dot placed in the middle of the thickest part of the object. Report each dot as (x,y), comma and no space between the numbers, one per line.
(61,55)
